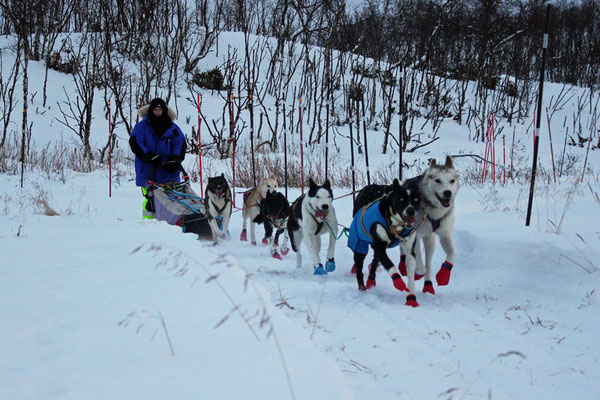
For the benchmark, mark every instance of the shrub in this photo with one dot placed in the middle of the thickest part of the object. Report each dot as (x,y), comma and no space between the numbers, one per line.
(211,79)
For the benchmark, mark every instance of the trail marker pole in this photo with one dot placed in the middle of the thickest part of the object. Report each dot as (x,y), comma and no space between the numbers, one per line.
(109,152)
(285,162)
(493,138)
(200,148)
(250,106)
(352,160)
(301,146)
(326,140)
(503,160)
(401,126)
(537,122)
(365,136)
(232,136)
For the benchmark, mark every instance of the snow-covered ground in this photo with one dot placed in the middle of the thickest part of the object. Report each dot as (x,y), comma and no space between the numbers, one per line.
(97,303)
(85,295)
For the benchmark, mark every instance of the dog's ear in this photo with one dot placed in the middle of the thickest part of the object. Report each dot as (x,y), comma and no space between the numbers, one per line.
(396,184)
(327,185)
(222,175)
(432,162)
(449,163)
(259,219)
(312,184)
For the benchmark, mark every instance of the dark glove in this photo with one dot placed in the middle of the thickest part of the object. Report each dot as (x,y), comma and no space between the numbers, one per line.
(153,159)
(172,165)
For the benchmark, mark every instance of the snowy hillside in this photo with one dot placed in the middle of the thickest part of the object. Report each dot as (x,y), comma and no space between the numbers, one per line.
(100,304)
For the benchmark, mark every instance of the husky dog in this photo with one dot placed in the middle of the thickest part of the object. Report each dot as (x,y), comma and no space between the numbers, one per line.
(368,194)
(252,199)
(217,202)
(438,188)
(274,212)
(313,215)
(385,223)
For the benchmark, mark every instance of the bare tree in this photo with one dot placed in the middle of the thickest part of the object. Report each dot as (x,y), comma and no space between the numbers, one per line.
(77,109)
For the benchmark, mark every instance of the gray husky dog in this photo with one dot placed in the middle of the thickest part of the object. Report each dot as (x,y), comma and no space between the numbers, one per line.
(438,187)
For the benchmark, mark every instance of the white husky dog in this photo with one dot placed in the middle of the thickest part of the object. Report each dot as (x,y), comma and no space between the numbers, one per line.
(312,216)
(438,188)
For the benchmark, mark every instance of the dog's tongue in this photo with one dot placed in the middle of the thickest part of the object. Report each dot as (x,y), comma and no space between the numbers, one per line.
(322,214)
(410,220)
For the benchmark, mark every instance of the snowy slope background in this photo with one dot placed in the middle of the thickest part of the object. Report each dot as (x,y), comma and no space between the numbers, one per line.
(97,303)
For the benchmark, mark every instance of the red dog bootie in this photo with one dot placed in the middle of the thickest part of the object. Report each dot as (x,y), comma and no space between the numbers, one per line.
(353,270)
(418,276)
(265,241)
(428,287)
(244,236)
(399,283)
(371,282)
(443,275)
(402,265)
(411,300)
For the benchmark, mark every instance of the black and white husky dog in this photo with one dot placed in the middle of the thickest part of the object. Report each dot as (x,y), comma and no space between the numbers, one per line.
(217,202)
(274,214)
(311,216)
(387,222)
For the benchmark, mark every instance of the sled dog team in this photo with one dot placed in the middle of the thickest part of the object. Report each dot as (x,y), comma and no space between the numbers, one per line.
(384,216)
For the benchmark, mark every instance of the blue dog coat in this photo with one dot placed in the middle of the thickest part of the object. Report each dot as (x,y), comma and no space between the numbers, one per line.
(359,236)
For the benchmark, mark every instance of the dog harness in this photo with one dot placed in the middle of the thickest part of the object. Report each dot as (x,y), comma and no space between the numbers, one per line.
(360,238)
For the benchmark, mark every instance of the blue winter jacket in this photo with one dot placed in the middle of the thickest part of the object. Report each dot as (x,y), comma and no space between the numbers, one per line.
(170,144)
(360,238)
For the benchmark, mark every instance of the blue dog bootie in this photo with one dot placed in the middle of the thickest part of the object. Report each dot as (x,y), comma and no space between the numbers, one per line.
(319,270)
(330,265)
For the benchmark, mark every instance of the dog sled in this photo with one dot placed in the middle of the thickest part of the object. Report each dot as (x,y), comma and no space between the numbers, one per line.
(178,204)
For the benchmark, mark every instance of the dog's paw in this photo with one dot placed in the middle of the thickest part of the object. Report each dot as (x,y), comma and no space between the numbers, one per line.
(244,236)
(411,300)
(402,265)
(443,275)
(371,283)
(428,287)
(330,265)
(253,243)
(362,288)
(265,240)
(399,283)
(353,270)
(276,255)
(418,276)
(285,251)
(319,270)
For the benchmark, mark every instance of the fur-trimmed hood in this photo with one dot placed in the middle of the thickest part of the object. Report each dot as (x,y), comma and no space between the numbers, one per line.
(144,110)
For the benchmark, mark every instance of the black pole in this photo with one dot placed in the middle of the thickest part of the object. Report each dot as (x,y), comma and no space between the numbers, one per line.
(285,163)
(326,140)
(251,108)
(352,158)
(400,128)
(365,136)
(538,118)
